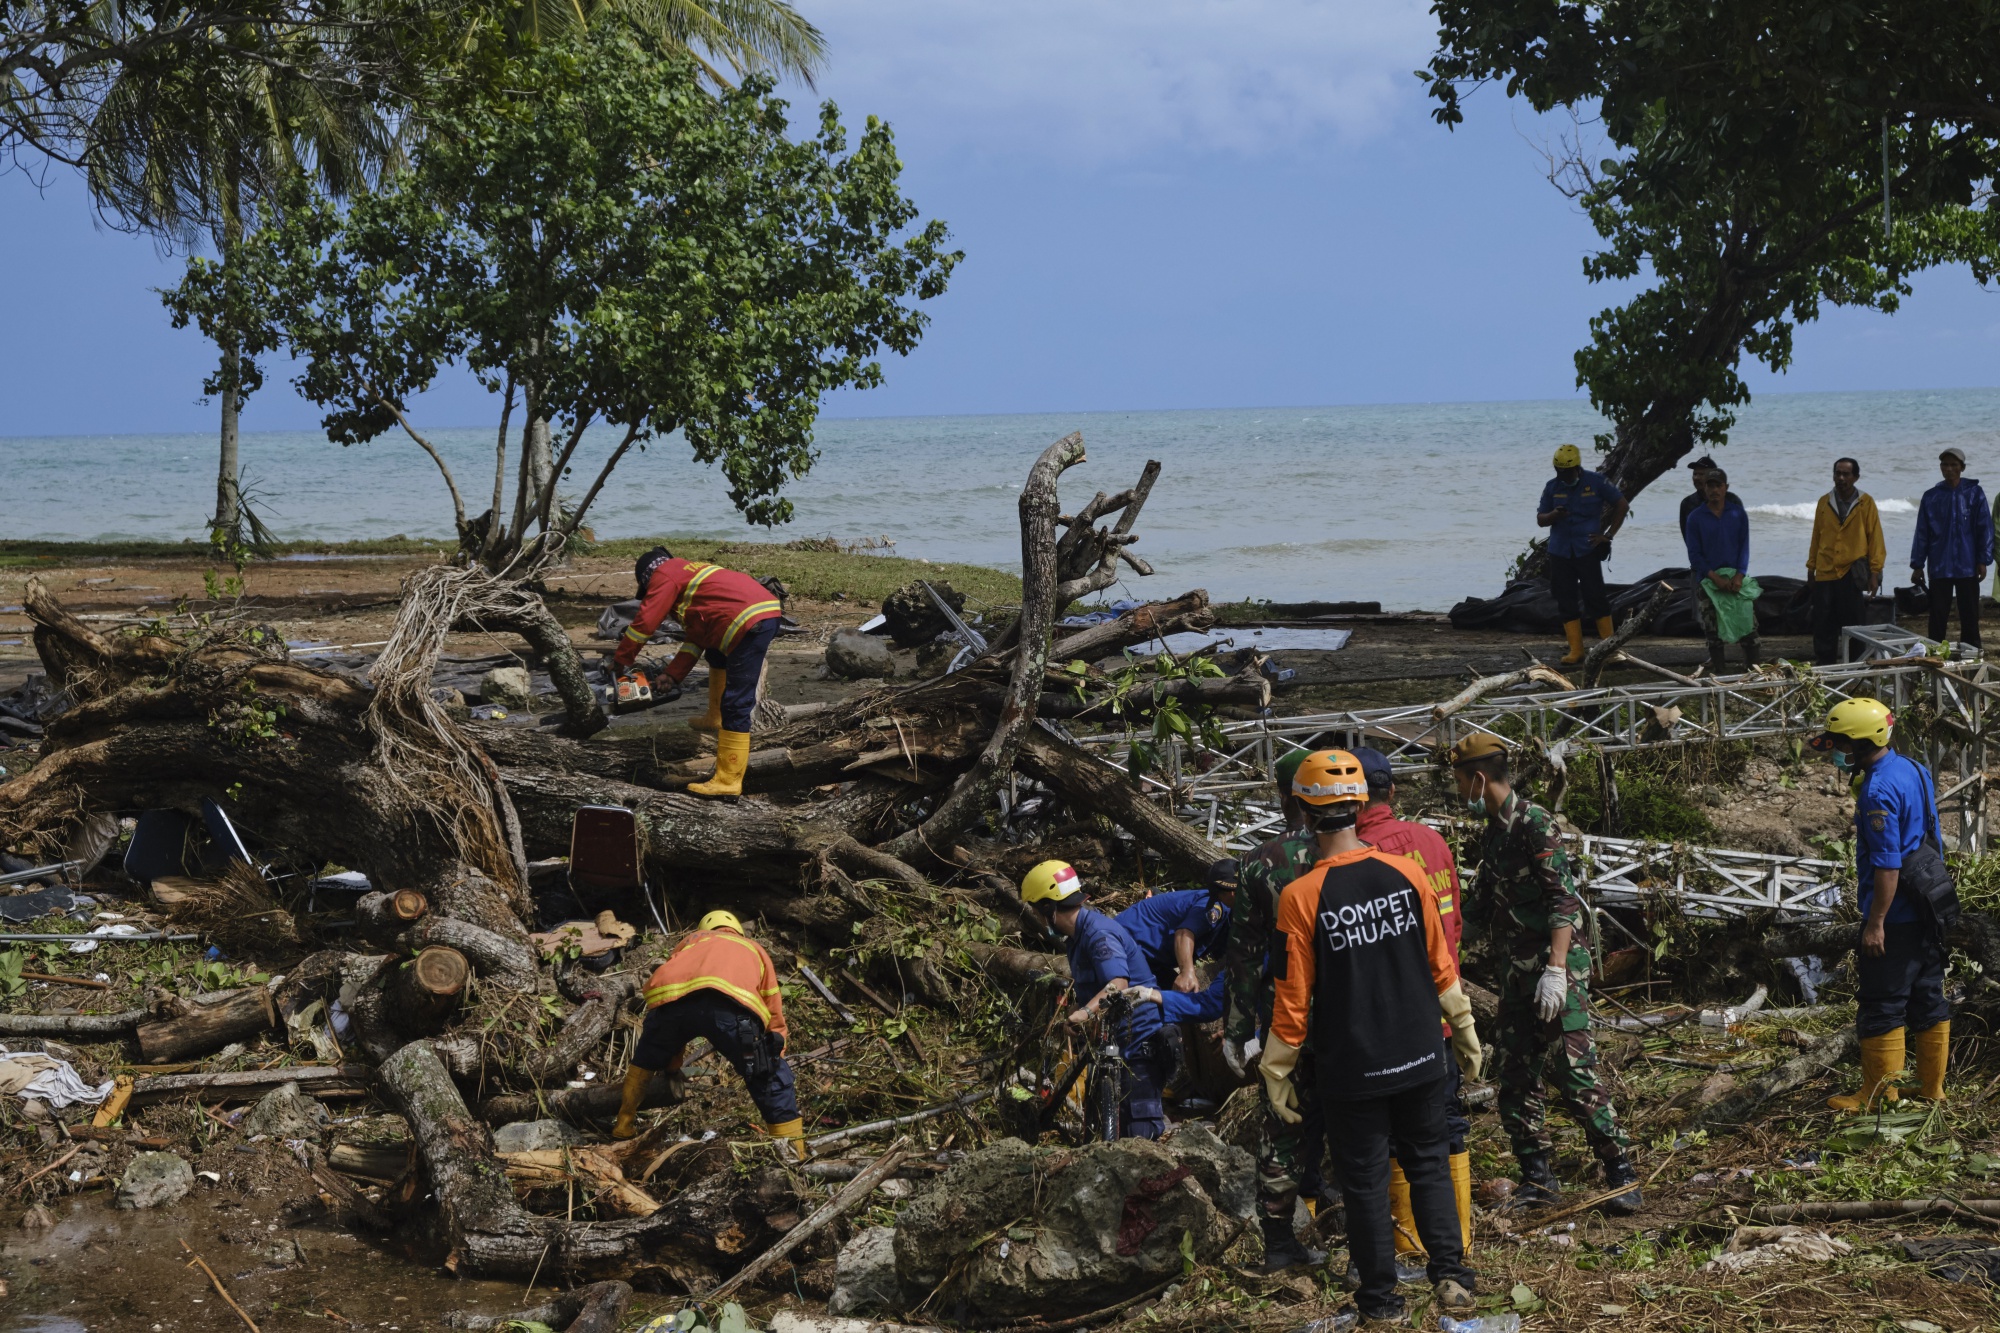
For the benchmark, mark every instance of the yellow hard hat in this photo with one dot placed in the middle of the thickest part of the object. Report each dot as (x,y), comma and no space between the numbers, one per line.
(1051,882)
(721,921)
(1568,455)
(1857,720)
(1474,748)
(1330,777)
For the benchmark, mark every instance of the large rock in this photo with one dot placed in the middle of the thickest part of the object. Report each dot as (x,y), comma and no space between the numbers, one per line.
(535,1136)
(1015,1231)
(286,1113)
(858,656)
(509,686)
(152,1179)
(914,618)
(865,1274)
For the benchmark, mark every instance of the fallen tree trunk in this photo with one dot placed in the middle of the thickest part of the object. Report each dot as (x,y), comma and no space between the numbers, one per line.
(428,989)
(77,1027)
(713,1226)
(207,1024)
(1735,1110)
(1862,1210)
(1093,784)
(578,1106)
(249,1084)
(493,955)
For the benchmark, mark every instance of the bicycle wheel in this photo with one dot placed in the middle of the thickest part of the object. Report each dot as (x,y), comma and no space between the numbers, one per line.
(1107,1091)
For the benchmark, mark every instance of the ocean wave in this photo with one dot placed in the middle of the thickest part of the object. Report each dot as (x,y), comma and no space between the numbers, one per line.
(1805,511)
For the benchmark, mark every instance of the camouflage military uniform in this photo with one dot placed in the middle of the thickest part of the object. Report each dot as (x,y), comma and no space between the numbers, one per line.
(1526,890)
(1285,1153)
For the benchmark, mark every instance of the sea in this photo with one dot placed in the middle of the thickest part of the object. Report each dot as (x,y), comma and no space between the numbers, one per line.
(1414,505)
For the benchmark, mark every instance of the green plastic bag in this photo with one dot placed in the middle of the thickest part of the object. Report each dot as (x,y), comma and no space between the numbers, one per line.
(1735,612)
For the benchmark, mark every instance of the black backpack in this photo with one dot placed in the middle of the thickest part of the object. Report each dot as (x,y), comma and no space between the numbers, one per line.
(1927,879)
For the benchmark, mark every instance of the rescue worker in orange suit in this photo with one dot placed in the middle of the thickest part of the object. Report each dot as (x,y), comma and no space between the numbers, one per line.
(1380,828)
(718,984)
(1362,968)
(729,618)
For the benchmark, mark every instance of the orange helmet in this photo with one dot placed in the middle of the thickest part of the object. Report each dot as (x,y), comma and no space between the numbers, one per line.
(1329,778)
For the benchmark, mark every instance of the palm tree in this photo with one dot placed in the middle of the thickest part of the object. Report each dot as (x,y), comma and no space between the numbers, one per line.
(742,34)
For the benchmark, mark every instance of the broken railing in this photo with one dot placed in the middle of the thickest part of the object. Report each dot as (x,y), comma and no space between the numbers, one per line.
(1226,790)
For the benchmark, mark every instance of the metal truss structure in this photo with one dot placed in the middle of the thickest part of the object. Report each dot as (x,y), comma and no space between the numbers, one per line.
(1226,790)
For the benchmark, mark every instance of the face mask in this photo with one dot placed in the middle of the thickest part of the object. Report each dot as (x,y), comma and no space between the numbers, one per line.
(1844,761)
(1476,804)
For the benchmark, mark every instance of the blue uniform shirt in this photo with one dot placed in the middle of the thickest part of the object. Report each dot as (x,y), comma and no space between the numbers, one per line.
(1204,1006)
(1100,952)
(1152,922)
(1589,499)
(1894,812)
(1717,541)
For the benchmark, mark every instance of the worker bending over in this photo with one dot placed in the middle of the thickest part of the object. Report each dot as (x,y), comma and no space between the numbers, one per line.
(726,616)
(1902,956)
(1380,828)
(1288,1151)
(1363,973)
(718,984)
(1176,929)
(1582,511)
(1103,959)
(1527,892)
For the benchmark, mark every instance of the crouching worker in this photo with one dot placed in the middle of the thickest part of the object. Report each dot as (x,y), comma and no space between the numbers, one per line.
(1105,960)
(718,984)
(729,617)
(1363,971)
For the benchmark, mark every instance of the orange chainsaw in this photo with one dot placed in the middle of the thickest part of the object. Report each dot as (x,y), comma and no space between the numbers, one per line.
(633,692)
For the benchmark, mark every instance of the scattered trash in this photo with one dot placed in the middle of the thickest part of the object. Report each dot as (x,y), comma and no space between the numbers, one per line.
(1956,1258)
(1757,1247)
(1490,1323)
(32,1076)
(123,930)
(34,906)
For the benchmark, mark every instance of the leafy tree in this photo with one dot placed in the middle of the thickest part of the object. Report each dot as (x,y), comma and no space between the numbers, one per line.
(1754,146)
(603,242)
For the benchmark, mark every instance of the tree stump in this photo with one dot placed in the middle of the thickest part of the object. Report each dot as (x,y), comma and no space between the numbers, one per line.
(425,991)
(208,1024)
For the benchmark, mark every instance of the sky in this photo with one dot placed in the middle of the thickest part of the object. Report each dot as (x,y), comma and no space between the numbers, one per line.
(1168,204)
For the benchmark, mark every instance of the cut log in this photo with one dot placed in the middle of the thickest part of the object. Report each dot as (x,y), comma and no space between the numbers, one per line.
(553,1168)
(385,1162)
(208,1024)
(491,954)
(382,915)
(578,1106)
(1142,624)
(250,1084)
(428,989)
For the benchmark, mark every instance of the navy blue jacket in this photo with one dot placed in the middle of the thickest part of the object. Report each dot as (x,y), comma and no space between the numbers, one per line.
(1100,952)
(1954,536)
(1718,541)
(1589,499)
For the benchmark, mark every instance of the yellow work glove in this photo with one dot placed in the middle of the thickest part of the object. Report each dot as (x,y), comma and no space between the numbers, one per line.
(1276,1065)
(1457,1011)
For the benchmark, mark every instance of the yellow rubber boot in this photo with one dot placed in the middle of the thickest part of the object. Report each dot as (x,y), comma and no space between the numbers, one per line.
(1933,1054)
(1881,1060)
(1573,631)
(792,1133)
(1604,629)
(636,1079)
(1461,1188)
(718,680)
(732,757)
(1401,1216)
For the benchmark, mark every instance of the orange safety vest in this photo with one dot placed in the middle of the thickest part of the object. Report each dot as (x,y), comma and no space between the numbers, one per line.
(721,960)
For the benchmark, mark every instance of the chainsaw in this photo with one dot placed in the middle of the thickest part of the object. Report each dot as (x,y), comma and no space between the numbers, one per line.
(633,692)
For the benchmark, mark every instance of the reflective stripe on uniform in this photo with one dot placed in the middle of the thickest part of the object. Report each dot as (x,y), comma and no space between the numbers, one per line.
(698,575)
(696,965)
(749,613)
(637,635)
(751,1000)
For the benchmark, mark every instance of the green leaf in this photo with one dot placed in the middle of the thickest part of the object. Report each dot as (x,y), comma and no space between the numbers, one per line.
(1524,1298)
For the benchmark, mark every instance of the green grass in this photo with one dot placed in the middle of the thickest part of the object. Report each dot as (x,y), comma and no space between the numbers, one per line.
(807,569)
(818,574)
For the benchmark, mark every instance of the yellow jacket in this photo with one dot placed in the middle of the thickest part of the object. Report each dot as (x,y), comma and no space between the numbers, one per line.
(721,960)
(1836,545)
